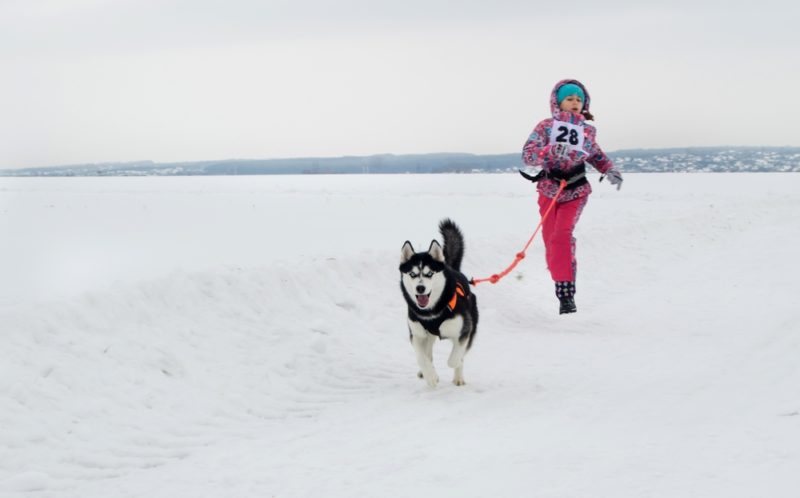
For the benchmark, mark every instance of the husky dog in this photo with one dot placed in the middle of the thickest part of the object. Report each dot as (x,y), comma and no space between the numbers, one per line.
(439,300)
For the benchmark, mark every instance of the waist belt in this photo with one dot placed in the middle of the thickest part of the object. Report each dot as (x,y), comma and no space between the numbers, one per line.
(574,178)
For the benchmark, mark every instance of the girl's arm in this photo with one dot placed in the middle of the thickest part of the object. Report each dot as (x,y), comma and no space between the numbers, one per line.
(535,152)
(597,157)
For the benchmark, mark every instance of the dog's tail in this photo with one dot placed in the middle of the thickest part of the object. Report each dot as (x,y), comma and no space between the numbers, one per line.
(453,243)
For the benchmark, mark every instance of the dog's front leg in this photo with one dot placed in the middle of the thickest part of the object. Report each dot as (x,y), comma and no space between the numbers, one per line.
(453,329)
(422,347)
(423,360)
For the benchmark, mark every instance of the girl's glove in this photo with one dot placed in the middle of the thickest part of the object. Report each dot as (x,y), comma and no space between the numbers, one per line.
(559,151)
(614,177)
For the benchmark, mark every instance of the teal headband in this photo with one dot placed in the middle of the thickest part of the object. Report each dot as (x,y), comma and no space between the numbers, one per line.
(569,89)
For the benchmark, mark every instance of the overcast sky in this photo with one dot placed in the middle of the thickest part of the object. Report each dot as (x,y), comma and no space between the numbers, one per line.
(86,81)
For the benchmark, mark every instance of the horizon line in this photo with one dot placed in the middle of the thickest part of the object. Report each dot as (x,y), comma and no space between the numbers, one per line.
(383,154)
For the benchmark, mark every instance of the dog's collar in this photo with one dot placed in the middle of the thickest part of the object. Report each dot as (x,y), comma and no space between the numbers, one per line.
(454,300)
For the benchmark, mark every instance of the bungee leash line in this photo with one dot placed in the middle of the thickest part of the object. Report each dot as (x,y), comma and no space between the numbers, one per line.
(521,255)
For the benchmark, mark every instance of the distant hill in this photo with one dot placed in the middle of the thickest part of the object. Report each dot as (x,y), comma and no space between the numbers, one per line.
(695,159)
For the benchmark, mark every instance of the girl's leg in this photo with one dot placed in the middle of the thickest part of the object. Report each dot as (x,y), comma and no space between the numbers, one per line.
(557,232)
(548,225)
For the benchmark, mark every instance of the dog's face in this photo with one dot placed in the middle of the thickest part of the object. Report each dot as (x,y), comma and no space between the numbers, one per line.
(422,274)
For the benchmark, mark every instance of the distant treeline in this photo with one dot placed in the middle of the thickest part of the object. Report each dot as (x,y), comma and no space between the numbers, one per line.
(377,164)
(694,159)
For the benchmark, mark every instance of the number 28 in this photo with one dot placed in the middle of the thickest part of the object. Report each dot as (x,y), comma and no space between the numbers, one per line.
(562,137)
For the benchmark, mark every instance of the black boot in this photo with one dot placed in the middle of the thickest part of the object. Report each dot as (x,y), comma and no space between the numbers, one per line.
(565,291)
(567,305)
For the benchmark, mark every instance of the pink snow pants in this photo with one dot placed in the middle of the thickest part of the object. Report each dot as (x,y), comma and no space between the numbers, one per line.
(557,231)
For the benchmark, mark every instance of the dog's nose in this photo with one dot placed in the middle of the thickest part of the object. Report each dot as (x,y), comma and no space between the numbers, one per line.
(420,289)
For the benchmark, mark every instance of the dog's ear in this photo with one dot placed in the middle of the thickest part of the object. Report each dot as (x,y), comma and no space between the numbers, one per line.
(436,252)
(406,252)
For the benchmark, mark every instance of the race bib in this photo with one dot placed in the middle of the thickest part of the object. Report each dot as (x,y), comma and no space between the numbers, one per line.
(568,134)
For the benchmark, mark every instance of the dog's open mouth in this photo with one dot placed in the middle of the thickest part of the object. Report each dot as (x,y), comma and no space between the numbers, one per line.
(422,300)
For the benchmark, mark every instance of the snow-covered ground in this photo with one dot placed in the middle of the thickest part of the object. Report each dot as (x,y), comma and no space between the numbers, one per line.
(246,337)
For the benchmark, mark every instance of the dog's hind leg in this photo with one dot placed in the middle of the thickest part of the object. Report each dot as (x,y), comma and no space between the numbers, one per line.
(458,376)
(456,361)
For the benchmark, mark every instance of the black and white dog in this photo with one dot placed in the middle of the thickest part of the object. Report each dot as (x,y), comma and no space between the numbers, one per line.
(439,300)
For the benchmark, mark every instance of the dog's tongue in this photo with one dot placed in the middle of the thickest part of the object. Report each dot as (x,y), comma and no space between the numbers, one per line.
(422,300)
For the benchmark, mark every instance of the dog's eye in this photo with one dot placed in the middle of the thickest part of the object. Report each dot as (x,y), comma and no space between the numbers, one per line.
(413,275)
(429,274)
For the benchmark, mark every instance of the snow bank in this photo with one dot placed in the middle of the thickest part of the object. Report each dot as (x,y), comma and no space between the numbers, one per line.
(246,337)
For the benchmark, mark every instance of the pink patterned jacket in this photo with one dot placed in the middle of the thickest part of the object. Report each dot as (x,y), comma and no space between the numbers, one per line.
(536,150)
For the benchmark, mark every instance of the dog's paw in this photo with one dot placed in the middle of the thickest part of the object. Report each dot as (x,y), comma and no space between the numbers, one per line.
(432,380)
(419,375)
(459,381)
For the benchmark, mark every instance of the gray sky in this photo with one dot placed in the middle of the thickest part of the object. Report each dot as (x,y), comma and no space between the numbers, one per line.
(178,80)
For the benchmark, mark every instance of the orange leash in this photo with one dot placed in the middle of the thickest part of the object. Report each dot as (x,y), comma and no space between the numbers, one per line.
(521,255)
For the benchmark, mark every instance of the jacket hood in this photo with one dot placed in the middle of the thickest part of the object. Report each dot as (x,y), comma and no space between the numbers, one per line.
(554,97)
